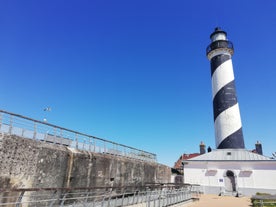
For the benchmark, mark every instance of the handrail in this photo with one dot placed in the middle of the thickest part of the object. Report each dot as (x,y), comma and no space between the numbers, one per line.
(121,196)
(145,186)
(57,135)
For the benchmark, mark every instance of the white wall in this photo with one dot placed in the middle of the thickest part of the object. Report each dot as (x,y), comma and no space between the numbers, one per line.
(255,176)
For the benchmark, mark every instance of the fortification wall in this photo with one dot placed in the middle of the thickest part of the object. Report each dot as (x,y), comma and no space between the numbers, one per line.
(27,163)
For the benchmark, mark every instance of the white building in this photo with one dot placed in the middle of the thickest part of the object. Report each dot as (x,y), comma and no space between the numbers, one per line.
(229,169)
(232,171)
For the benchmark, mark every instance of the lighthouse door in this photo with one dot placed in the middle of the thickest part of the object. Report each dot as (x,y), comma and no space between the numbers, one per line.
(230,184)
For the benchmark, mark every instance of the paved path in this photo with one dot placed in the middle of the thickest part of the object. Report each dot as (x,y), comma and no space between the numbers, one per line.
(220,201)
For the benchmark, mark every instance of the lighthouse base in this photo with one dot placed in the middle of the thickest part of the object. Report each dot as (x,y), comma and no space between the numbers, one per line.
(233,141)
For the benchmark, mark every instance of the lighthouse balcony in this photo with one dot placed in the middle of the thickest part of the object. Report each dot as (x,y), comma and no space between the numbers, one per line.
(220,44)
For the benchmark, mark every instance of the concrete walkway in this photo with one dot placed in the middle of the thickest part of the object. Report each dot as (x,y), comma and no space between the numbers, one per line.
(220,201)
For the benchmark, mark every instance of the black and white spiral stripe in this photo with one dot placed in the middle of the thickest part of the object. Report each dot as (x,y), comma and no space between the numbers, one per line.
(228,127)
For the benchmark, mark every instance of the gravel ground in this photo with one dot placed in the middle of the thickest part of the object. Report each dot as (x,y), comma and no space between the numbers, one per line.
(220,201)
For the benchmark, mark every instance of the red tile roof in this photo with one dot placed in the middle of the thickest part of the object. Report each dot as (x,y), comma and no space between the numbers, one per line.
(178,163)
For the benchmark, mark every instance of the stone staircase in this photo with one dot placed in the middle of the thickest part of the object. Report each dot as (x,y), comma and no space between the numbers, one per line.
(231,193)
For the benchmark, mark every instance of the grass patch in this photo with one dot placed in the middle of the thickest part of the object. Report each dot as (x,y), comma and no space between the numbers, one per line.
(263,200)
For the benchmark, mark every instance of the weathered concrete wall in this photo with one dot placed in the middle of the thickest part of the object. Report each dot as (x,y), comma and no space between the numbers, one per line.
(26,163)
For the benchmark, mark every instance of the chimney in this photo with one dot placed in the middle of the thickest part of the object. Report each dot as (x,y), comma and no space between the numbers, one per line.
(202,148)
(259,148)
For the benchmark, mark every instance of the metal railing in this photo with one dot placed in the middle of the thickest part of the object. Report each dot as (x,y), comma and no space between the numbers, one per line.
(157,196)
(14,124)
(264,203)
(263,200)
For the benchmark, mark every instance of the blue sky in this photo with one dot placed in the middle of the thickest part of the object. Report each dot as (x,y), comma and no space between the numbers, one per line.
(135,72)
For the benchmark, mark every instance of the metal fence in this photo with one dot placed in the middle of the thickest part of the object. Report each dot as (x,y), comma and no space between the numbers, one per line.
(263,203)
(15,124)
(263,200)
(96,197)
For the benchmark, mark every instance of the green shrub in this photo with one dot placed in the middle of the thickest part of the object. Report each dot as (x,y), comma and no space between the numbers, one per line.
(264,200)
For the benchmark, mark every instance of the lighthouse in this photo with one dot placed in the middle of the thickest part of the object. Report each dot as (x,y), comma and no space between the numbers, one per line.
(230,169)
(227,120)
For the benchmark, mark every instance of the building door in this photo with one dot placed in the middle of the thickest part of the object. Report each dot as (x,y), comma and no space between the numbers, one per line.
(230,183)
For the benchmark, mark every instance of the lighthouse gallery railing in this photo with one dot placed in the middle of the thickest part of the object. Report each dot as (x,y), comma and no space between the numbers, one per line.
(220,44)
(15,124)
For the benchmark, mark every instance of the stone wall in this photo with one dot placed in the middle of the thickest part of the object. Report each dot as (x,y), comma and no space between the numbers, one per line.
(27,163)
